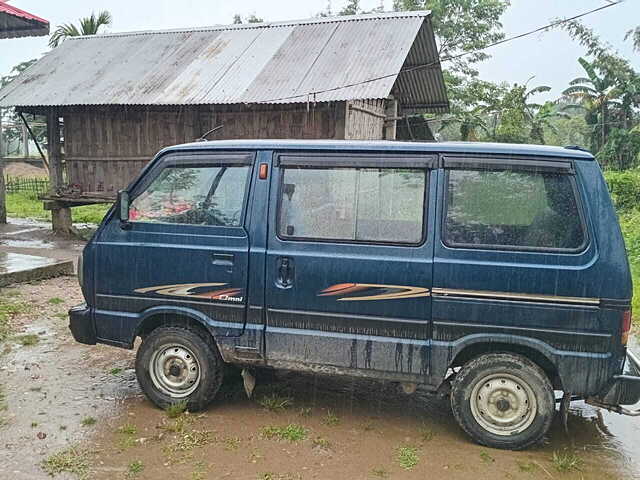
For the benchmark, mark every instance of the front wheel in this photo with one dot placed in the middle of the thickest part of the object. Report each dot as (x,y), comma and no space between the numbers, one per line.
(503,401)
(179,364)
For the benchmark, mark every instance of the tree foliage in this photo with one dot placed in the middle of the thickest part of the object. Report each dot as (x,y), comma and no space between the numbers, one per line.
(90,25)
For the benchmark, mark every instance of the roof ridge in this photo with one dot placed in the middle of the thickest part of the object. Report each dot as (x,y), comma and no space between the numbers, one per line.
(264,25)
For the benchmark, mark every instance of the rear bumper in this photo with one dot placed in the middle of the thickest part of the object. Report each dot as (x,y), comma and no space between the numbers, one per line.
(82,325)
(624,390)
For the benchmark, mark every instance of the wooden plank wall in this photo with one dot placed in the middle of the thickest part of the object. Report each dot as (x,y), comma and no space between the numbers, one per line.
(106,147)
(365,120)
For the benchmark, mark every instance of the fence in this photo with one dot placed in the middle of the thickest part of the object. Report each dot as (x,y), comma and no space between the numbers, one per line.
(26,185)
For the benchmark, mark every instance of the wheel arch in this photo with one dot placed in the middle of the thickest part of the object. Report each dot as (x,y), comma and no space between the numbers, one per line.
(538,352)
(172,316)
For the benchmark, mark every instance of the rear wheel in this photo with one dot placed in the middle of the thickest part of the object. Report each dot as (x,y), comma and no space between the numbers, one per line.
(178,363)
(503,401)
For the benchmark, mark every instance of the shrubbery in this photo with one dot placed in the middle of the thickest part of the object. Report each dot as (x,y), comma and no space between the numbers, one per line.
(625,188)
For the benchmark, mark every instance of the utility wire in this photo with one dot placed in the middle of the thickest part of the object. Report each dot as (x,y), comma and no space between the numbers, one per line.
(311,95)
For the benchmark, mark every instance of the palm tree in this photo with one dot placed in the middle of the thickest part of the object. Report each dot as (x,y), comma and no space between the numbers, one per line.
(88,26)
(596,95)
(470,122)
(543,118)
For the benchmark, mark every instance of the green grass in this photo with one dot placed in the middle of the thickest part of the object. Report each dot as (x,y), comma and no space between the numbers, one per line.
(135,468)
(331,419)
(275,402)
(27,205)
(8,309)
(115,371)
(128,429)
(566,461)
(27,340)
(407,457)
(292,432)
(88,421)
(55,301)
(71,460)
(176,409)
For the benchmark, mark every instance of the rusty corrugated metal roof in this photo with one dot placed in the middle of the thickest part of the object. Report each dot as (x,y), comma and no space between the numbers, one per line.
(18,23)
(327,59)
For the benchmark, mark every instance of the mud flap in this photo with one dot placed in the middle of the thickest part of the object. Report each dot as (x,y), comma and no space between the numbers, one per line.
(249,382)
(564,411)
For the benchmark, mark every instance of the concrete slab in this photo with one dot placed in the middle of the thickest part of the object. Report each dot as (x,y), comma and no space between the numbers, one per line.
(17,268)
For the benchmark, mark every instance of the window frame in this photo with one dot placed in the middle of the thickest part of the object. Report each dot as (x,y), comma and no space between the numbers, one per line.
(324,161)
(532,166)
(198,160)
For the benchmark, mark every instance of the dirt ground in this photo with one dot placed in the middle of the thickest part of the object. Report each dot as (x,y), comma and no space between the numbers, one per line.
(61,395)
(24,170)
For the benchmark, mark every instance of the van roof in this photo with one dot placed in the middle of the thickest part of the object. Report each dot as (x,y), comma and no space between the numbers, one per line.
(378,145)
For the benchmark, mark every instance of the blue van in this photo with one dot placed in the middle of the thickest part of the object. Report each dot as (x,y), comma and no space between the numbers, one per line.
(493,274)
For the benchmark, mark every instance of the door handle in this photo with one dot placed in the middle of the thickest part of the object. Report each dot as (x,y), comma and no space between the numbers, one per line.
(285,272)
(223,259)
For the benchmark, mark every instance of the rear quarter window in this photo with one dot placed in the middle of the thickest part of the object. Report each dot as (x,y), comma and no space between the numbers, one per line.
(513,209)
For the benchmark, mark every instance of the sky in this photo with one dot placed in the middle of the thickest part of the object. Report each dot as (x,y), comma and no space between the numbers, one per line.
(551,57)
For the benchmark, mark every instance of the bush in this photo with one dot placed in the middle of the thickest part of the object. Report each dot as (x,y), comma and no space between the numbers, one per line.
(624,187)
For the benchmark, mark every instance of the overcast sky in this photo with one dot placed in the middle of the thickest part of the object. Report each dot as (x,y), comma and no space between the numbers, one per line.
(550,56)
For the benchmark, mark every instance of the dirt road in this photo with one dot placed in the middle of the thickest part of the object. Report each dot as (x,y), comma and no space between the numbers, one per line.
(61,395)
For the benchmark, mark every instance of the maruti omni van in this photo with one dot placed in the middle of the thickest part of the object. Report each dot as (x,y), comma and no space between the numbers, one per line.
(494,274)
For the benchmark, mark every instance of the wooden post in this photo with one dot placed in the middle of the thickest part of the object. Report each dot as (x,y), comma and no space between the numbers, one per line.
(25,140)
(390,124)
(3,189)
(60,216)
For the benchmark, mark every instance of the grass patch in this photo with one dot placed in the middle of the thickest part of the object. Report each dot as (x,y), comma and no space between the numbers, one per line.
(486,458)
(426,433)
(55,301)
(88,421)
(71,460)
(115,371)
(27,205)
(231,443)
(331,419)
(292,432)
(379,473)
(127,429)
(526,466)
(407,457)
(275,402)
(9,309)
(176,409)
(321,442)
(135,468)
(27,340)
(193,439)
(566,461)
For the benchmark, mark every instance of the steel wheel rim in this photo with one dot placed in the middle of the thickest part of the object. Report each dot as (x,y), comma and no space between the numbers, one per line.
(503,404)
(175,370)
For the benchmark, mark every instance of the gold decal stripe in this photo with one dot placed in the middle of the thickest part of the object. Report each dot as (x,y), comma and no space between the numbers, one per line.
(514,296)
(178,290)
(403,291)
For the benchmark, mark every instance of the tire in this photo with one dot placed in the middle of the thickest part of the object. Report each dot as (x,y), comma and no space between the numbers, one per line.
(503,401)
(179,363)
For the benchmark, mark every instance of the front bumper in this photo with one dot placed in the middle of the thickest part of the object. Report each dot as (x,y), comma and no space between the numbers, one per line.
(82,325)
(624,390)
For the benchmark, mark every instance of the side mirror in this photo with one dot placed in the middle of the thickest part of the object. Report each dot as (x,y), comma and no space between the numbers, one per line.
(123,205)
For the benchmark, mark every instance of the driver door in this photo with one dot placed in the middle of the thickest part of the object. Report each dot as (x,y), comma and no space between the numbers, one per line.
(186,243)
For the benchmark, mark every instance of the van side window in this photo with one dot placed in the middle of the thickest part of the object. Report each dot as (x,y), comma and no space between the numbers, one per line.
(353,204)
(512,209)
(194,196)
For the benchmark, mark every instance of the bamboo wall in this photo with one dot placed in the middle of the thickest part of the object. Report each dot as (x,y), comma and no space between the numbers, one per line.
(106,147)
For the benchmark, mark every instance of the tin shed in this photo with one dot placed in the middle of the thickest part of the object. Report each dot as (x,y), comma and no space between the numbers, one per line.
(112,101)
